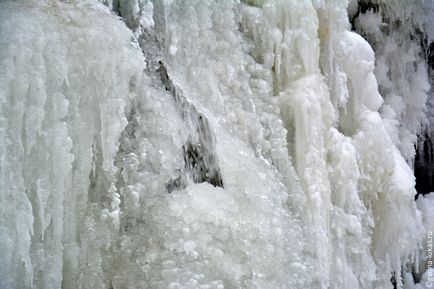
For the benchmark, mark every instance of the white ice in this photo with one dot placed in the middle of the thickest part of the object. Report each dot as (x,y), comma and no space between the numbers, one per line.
(207,144)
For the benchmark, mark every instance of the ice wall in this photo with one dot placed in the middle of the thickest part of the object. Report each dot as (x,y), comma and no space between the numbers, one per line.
(400,33)
(205,144)
(66,90)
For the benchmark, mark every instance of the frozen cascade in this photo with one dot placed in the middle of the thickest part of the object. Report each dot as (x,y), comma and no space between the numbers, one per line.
(401,68)
(213,144)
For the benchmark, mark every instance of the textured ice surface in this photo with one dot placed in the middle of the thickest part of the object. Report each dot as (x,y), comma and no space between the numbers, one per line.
(207,144)
(401,67)
(66,89)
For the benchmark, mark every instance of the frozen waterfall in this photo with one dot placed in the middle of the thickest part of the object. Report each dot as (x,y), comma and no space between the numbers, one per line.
(210,144)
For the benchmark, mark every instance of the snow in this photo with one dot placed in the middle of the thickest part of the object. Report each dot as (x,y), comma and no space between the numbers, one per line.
(209,144)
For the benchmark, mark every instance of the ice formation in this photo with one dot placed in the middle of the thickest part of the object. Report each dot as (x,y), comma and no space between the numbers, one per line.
(213,144)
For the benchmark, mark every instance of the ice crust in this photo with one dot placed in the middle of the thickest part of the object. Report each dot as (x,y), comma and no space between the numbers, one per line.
(208,144)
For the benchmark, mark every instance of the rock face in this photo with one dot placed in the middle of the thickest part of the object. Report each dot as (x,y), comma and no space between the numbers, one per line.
(213,144)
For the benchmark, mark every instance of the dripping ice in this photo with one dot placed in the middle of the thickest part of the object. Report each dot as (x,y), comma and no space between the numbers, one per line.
(213,144)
